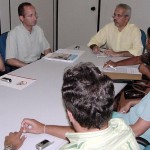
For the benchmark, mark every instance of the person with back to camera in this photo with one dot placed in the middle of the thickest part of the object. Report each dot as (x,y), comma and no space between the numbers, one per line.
(120,37)
(26,42)
(88,97)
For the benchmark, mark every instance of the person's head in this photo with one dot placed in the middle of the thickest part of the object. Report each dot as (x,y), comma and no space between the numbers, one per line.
(27,14)
(122,15)
(88,95)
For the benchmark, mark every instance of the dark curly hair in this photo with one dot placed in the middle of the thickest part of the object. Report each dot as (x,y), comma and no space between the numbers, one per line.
(88,94)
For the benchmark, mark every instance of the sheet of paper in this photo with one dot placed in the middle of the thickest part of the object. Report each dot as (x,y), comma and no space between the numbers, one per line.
(101,53)
(17,82)
(127,70)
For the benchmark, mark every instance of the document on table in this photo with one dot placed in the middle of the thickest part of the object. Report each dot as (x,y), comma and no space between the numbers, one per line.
(123,73)
(127,70)
(64,55)
(101,53)
(16,82)
(33,139)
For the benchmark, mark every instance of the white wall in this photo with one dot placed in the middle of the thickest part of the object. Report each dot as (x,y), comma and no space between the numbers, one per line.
(4,15)
(140,12)
(76,22)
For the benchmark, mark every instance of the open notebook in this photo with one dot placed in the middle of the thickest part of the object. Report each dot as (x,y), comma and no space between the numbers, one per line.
(64,55)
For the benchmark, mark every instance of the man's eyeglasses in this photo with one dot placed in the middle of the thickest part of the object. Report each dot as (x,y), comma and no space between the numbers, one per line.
(118,15)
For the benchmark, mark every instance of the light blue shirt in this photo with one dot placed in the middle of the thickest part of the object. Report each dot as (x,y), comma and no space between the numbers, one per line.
(141,110)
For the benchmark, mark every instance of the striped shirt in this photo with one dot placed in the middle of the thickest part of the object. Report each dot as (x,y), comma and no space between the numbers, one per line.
(118,136)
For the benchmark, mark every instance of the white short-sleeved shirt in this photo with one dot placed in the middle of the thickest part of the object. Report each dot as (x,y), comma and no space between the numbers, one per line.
(25,46)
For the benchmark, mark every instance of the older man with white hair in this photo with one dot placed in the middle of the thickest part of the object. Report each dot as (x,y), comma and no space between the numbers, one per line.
(120,37)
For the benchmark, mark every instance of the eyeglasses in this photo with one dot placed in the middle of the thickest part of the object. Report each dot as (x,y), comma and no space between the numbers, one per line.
(118,15)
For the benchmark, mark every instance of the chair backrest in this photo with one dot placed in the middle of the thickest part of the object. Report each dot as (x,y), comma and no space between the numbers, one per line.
(3,38)
(143,39)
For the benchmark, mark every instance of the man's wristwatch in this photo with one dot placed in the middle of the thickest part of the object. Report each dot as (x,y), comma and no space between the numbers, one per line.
(9,147)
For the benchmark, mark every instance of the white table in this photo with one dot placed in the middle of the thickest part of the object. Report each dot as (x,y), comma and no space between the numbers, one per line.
(41,100)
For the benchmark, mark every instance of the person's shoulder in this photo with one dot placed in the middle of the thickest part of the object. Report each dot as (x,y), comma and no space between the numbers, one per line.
(14,31)
(118,123)
(37,27)
(133,26)
(111,24)
(146,98)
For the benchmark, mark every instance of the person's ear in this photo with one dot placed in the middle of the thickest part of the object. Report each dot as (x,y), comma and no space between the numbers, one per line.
(70,116)
(127,18)
(21,18)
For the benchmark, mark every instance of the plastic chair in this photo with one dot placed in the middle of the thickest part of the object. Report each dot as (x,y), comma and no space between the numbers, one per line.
(3,38)
(143,39)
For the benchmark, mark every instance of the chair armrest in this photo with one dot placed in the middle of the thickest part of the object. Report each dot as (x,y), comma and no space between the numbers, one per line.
(142,141)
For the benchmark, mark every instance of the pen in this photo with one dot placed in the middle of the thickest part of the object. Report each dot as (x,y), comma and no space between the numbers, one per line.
(102,48)
(6,79)
(112,67)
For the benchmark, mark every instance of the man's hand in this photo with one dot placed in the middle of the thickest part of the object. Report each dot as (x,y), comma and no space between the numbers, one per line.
(32,126)
(110,52)
(125,108)
(15,139)
(144,69)
(110,63)
(95,49)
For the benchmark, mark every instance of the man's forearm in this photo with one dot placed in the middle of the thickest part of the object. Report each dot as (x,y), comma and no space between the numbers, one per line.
(15,62)
(129,61)
(2,66)
(47,51)
(58,131)
(124,54)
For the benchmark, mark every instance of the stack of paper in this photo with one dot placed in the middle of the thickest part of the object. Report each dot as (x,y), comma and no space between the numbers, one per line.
(126,73)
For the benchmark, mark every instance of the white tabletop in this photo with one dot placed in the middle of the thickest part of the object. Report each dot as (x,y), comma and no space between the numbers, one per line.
(40,100)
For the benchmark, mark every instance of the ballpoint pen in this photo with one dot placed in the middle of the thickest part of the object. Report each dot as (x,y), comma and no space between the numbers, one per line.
(101,50)
(110,66)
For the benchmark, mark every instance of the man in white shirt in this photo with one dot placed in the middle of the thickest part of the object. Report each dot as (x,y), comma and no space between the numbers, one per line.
(26,42)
